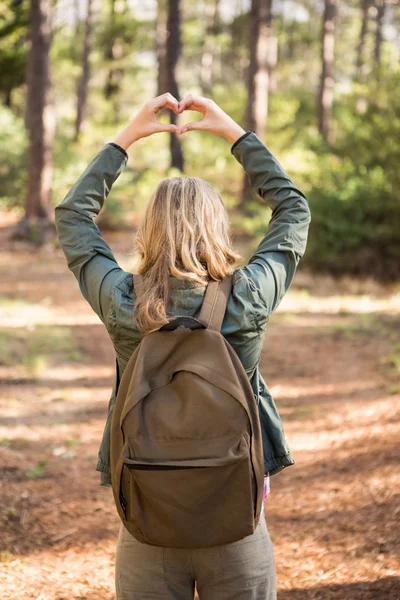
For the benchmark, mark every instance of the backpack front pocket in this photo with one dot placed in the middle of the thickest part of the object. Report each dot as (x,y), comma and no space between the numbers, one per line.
(174,499)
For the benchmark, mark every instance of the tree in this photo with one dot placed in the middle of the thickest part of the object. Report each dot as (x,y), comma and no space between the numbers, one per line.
(327,82)
(83,83)
(207,58)
(13,53)
(168,49)
(365,5)
(116,34)
(258,74)
(174,48)
(161,47)
(258,70)
(40,122)
(380,11)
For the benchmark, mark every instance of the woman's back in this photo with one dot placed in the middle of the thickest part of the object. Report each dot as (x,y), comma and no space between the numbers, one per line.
(129,311)
(242,326)
(258,288)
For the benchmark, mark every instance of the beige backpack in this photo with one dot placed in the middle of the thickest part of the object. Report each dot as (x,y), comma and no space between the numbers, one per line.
(187,464)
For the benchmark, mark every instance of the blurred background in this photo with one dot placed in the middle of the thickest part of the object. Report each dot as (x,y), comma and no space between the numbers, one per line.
(319,82)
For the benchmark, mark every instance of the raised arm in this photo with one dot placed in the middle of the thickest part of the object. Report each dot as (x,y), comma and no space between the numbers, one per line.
(273,264)
(88,255)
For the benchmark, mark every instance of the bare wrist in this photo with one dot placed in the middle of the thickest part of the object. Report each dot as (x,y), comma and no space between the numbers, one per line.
(125,138)
(234,133)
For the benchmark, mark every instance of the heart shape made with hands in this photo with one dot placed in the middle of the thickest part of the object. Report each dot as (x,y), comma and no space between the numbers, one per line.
(190,104)
(179,106)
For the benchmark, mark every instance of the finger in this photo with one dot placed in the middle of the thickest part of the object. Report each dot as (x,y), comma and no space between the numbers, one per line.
(195,125)
(165,101)
(185,102)
(174,100)
(194,103)
(166,96)
(166,127)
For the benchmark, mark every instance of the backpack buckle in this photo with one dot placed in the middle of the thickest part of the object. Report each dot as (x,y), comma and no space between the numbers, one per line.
(182,323)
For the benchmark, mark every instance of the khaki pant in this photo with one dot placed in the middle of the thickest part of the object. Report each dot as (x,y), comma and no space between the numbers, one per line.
(242,570)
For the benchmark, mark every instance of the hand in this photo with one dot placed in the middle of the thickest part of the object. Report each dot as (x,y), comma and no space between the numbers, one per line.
(215,119)
(145,122)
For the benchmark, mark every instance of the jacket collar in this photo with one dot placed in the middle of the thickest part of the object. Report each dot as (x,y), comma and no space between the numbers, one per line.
(178,283)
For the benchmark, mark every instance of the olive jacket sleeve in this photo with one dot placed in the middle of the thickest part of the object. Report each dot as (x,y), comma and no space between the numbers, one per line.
(269,271)
(88,255)
(273,264)
(271,267)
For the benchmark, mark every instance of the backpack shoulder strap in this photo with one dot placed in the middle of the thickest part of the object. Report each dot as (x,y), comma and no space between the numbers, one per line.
(214,304)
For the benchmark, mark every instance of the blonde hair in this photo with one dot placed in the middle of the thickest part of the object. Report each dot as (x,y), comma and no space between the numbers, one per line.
(185,233)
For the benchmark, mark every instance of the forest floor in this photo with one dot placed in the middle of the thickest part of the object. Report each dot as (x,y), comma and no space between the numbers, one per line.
(331,359)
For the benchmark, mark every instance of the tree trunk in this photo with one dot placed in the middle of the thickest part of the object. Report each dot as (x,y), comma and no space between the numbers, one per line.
(77,25)
(109,88)
(258,76)
(291,39)
(365,4)
(273,51)
(41,125)
(8,97)
(173,54)
(82,92)
(261,80)
(207,58)
(114,52)
(161,47)
(76,14)
(380,11)
(325,96)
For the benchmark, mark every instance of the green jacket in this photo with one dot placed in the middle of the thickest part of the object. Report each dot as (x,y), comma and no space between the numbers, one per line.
(258,288)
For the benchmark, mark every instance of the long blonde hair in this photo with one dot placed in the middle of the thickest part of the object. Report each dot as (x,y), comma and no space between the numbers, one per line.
(185,233)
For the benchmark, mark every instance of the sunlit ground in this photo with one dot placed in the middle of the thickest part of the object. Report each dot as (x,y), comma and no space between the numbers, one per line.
(331,359)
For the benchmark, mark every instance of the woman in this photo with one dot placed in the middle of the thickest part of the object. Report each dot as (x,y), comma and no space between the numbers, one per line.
(184,242)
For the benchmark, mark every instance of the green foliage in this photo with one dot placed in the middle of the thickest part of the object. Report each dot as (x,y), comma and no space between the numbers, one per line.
(70,442)
(355,191)
(13,51)
(352,186)
(37,348)
(12,159)
(363,325)
(392,361)
(112,217)
(6,556)
(38,471)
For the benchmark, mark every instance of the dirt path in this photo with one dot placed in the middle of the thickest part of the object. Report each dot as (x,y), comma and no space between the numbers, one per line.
(332,361)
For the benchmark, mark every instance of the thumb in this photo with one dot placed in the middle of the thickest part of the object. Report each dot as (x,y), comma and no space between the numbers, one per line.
(167,127)
(193,126)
